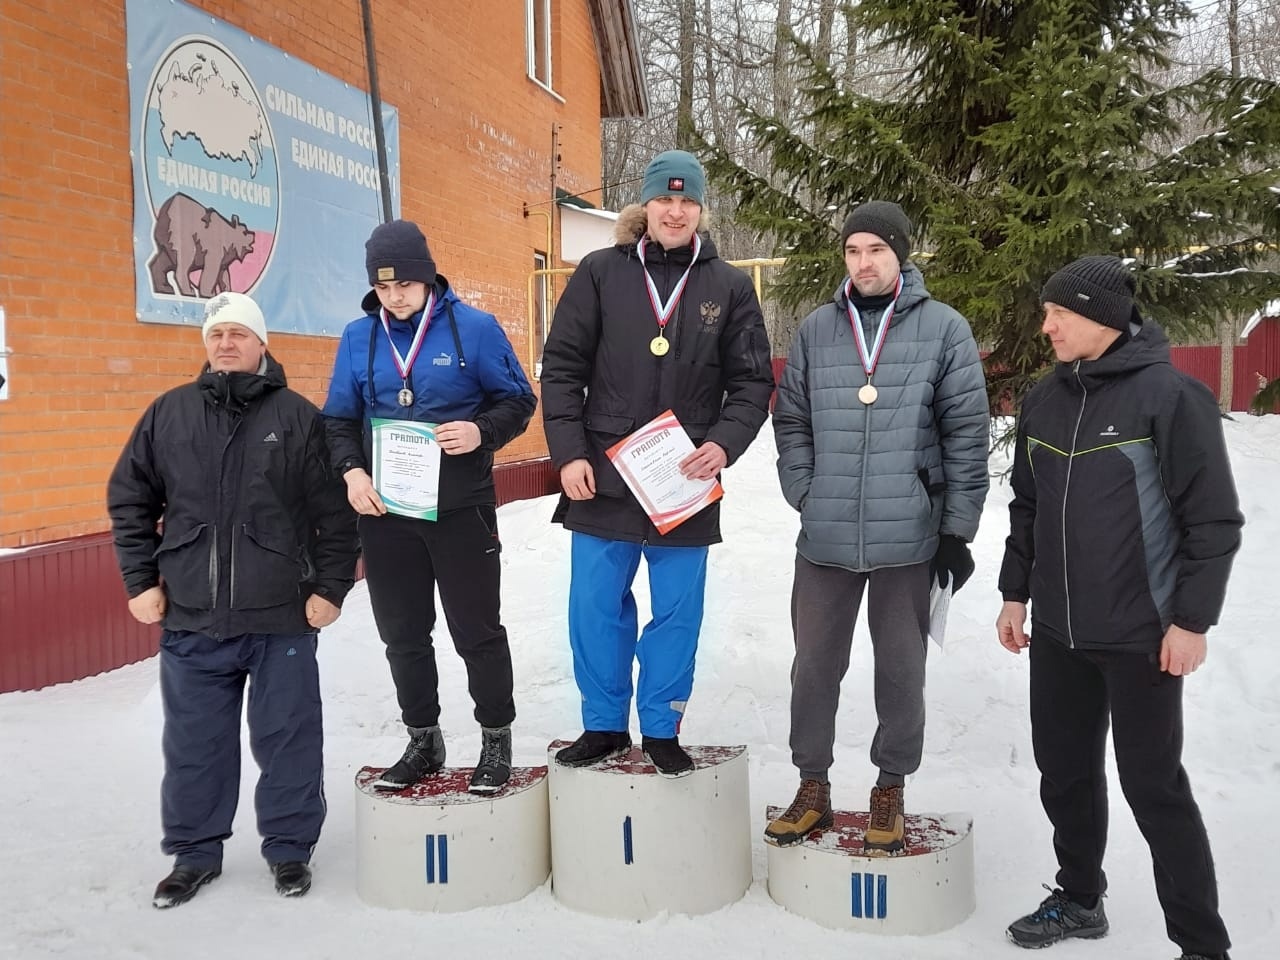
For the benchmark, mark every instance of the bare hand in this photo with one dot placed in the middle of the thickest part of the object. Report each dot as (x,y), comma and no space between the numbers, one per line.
(1182,652)
(320,612)
(458,436)
(705,462)
(1010,626)
(150,605)
(361,495)
(578,480)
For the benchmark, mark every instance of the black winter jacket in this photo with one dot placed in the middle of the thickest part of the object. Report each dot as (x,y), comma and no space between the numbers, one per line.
(600,382)
(1124,518)
(255,522)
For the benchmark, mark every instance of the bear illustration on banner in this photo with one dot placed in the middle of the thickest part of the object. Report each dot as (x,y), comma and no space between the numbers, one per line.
(211,174)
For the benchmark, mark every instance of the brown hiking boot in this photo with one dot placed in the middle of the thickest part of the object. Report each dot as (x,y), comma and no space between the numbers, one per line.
(809,811)
(885,829)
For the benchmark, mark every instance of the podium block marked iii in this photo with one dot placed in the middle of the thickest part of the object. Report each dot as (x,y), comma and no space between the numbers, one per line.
(434,846)
(925,889)
(628,843)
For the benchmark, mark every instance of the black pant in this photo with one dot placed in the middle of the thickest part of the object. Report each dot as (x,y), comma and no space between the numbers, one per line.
(1074,695)
(405,560)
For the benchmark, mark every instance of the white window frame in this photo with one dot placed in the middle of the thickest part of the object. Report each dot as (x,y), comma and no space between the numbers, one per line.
(532,10)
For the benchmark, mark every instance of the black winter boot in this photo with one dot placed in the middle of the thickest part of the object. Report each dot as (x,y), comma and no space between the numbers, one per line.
(423,756)
(494,767)
(594,746)
(182,884)
(668,756)
(293,878)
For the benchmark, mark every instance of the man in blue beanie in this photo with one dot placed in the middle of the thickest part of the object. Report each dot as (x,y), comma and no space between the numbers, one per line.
(471,389)
(657,322)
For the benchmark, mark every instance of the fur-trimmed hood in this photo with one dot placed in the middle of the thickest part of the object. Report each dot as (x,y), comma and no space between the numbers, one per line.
(633,221)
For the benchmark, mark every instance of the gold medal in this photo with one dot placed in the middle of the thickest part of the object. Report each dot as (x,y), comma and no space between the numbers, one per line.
(867,393)
(659,346)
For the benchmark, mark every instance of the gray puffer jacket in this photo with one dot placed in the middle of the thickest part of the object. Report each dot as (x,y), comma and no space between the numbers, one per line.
(876,484)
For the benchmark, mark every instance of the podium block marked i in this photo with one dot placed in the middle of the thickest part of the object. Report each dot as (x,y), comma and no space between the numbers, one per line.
(628,843)
(434,846)
(926,888)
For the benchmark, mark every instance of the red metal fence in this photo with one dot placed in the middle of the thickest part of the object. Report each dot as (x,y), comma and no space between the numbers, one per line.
(62,605)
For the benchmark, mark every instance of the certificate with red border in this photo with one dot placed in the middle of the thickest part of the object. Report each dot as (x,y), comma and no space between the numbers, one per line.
(649,462)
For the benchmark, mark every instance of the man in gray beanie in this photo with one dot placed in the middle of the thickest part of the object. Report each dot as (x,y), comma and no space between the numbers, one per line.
(889,475)
(1123,526)
(657,322)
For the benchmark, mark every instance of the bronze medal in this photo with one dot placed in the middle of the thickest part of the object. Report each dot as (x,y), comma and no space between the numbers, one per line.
(659,346)
(867,393)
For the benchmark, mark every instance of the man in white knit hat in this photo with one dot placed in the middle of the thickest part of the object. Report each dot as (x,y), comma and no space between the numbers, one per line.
(257,552)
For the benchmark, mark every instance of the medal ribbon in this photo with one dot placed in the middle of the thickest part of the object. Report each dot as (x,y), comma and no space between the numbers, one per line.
(870,358)
(405,364)
(663,312)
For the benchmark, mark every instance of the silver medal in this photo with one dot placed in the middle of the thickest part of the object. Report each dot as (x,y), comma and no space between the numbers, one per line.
(405,397)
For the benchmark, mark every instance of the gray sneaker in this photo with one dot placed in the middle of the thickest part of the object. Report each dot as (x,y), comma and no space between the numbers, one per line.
(1056,919)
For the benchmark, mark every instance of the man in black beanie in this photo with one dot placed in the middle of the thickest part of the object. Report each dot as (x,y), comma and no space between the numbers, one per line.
(421,363)
(889,476)
(1123,526)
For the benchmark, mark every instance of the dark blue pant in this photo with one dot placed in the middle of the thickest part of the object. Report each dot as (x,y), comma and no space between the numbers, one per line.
(602,631)
(1075,696)
(202,685)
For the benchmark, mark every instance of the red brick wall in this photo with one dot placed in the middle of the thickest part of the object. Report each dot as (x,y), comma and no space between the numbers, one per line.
(475,142)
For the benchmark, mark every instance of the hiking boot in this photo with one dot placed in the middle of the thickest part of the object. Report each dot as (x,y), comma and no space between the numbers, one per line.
(1057,918)
(594,746)
(293,878)
(667,755)
(182,884)
(494,766)
(809,811)
(885,828)
(423,756)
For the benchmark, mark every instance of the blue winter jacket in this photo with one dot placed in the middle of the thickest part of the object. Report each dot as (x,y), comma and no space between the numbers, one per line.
(465,370)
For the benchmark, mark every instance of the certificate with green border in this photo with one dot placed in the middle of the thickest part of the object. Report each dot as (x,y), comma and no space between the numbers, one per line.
(406,467)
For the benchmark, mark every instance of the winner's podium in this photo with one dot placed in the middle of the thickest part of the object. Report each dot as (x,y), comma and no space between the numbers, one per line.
(926,888)
(628,843)
(434,846)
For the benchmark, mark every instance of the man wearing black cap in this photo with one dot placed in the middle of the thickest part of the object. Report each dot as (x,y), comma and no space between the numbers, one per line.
(1123,526)
(419,355)
(881,423)
(657,322)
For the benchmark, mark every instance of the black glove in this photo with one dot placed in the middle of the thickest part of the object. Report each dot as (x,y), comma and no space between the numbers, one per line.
(953,562)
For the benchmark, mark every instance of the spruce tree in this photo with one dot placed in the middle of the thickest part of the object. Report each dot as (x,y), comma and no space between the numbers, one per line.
(1024,135)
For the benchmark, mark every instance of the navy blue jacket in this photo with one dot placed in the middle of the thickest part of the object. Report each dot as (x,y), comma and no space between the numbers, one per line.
(1124,518)
(466,370)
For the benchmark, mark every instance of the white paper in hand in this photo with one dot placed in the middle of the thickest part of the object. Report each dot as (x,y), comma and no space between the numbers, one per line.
(939,603)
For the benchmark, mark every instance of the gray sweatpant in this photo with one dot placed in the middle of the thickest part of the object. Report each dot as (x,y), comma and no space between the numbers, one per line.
(824,608)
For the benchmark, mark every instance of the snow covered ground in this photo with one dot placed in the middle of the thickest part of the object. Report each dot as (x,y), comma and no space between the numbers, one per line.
(79,854)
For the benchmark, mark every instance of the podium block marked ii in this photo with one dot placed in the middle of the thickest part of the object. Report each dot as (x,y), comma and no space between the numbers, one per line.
(628,843)
(925,889)
(434,846)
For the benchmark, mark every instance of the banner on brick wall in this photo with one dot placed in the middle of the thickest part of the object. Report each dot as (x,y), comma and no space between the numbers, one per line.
(253,171)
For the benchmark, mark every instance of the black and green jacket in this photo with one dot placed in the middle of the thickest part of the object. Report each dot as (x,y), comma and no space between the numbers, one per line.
(1124,518)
